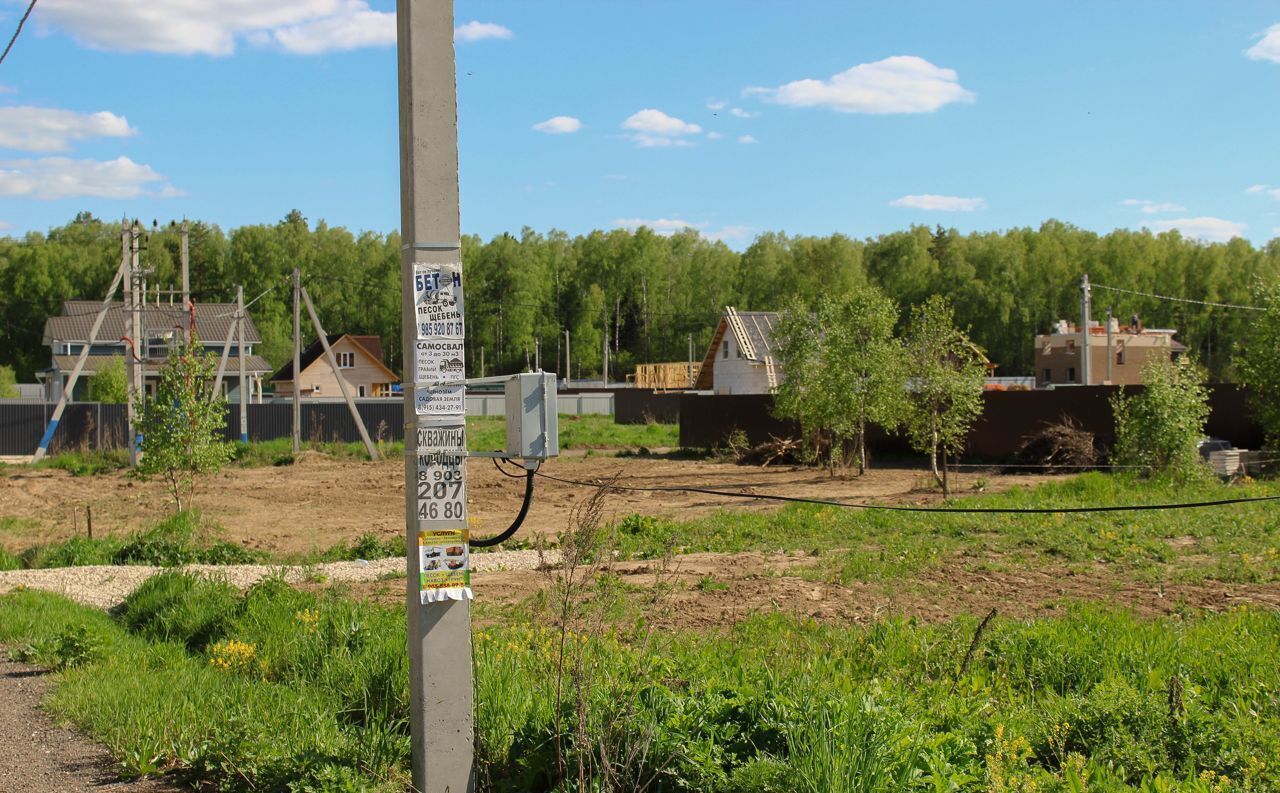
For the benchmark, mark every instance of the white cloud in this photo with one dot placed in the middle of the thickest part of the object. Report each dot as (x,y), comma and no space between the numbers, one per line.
(740,113)
(1267,190)
(213,27)
(660,225)
(558,125)
(1268,49)
(669,226)
(901,84)
(5,225)
(1203,228)
(8,89)
(729,233)
(49,129)
(747,139)
(1153,207)
(939,203)
(652,128)
(714,135)
(479,31)
(360,27)
(717,104)
(51,178)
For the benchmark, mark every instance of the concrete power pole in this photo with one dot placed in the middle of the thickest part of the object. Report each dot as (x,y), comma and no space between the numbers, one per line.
(604,354)
(135,332)
(1084,329)
(244,393)
(1110,356)
(568,369)
(440,659)
(297,360)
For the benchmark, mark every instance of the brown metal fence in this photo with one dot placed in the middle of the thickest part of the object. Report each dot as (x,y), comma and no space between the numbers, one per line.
(1008,418)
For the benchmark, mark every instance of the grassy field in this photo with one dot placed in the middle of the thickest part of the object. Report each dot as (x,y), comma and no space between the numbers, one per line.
(288,690)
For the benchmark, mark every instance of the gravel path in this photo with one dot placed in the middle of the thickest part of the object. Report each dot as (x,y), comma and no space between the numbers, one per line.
(105,586)
(40,757)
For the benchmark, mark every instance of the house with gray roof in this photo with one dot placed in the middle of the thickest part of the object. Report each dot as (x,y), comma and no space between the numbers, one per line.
(741,358)
(67,334)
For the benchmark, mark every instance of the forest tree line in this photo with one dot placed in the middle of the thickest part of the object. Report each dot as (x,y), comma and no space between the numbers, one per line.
(652,292)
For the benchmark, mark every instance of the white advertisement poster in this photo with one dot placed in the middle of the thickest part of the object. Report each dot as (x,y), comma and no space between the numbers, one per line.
(438,361)
(437,300)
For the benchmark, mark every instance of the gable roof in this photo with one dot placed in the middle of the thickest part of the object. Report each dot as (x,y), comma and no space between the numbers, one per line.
(213,320)
(371,346)
(753,333)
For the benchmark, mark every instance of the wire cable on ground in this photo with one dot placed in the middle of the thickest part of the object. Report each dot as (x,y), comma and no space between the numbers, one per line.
(21,22)
(497,539)
(1177,299)
(901,508)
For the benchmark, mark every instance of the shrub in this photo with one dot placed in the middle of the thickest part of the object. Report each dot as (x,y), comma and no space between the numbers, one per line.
(1161,428)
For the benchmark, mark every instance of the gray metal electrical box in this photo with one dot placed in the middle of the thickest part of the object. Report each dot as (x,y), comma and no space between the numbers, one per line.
(533,429)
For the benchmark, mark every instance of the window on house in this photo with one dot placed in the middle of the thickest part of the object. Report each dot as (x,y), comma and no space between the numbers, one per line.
(315,389)
(360,390)
(346,360)
(1071,346)
(1048,375)
(1120,354)
(1071,374)
(726,349)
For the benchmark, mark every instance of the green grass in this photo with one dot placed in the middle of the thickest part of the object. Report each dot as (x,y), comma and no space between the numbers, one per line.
(579,432)
(280,687)
(88,462)
(1237,543)
(183,538)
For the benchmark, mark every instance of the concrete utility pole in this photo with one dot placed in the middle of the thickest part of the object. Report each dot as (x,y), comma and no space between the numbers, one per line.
(240,353)
(297,360)
(1084,329)
(135,333)
(440,685)
(1110,355)
(568,369)
(604,354)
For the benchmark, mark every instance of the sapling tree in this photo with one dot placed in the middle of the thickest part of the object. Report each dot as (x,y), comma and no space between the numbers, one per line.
(1258,364)
(1161,428)
(181,426)
(110,383)
(842,370)
(945,373)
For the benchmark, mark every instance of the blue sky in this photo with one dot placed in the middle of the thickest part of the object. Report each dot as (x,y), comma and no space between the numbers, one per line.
(733,117)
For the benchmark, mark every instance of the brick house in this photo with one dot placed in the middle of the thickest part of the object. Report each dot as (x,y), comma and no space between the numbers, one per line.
(1116,357)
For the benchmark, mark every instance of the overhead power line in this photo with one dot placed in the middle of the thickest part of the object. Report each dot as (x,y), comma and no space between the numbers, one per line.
(1178,299)
(21,22)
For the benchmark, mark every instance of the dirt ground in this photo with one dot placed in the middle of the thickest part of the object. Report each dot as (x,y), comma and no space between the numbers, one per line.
(318,502)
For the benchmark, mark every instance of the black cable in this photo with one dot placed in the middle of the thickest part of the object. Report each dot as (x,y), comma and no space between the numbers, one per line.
(892,508)
(21,22)
(497,539)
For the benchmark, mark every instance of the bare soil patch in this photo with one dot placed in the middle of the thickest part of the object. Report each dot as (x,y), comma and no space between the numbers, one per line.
(707,591)
(318,501)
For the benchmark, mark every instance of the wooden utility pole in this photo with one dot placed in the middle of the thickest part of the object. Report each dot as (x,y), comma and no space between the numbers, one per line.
(297,360)
(137,340)
(185,233)
(440,684)
(122,275)
(342,381)
(240,354)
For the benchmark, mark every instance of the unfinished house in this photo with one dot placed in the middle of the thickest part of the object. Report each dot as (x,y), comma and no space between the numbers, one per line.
(741,359)
(1117,353)
(67,334)
(359,359)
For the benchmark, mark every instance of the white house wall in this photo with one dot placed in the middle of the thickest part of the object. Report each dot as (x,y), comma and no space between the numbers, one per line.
(736,375)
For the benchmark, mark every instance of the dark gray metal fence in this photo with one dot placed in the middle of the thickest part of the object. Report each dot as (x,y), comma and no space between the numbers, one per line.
(93,425)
